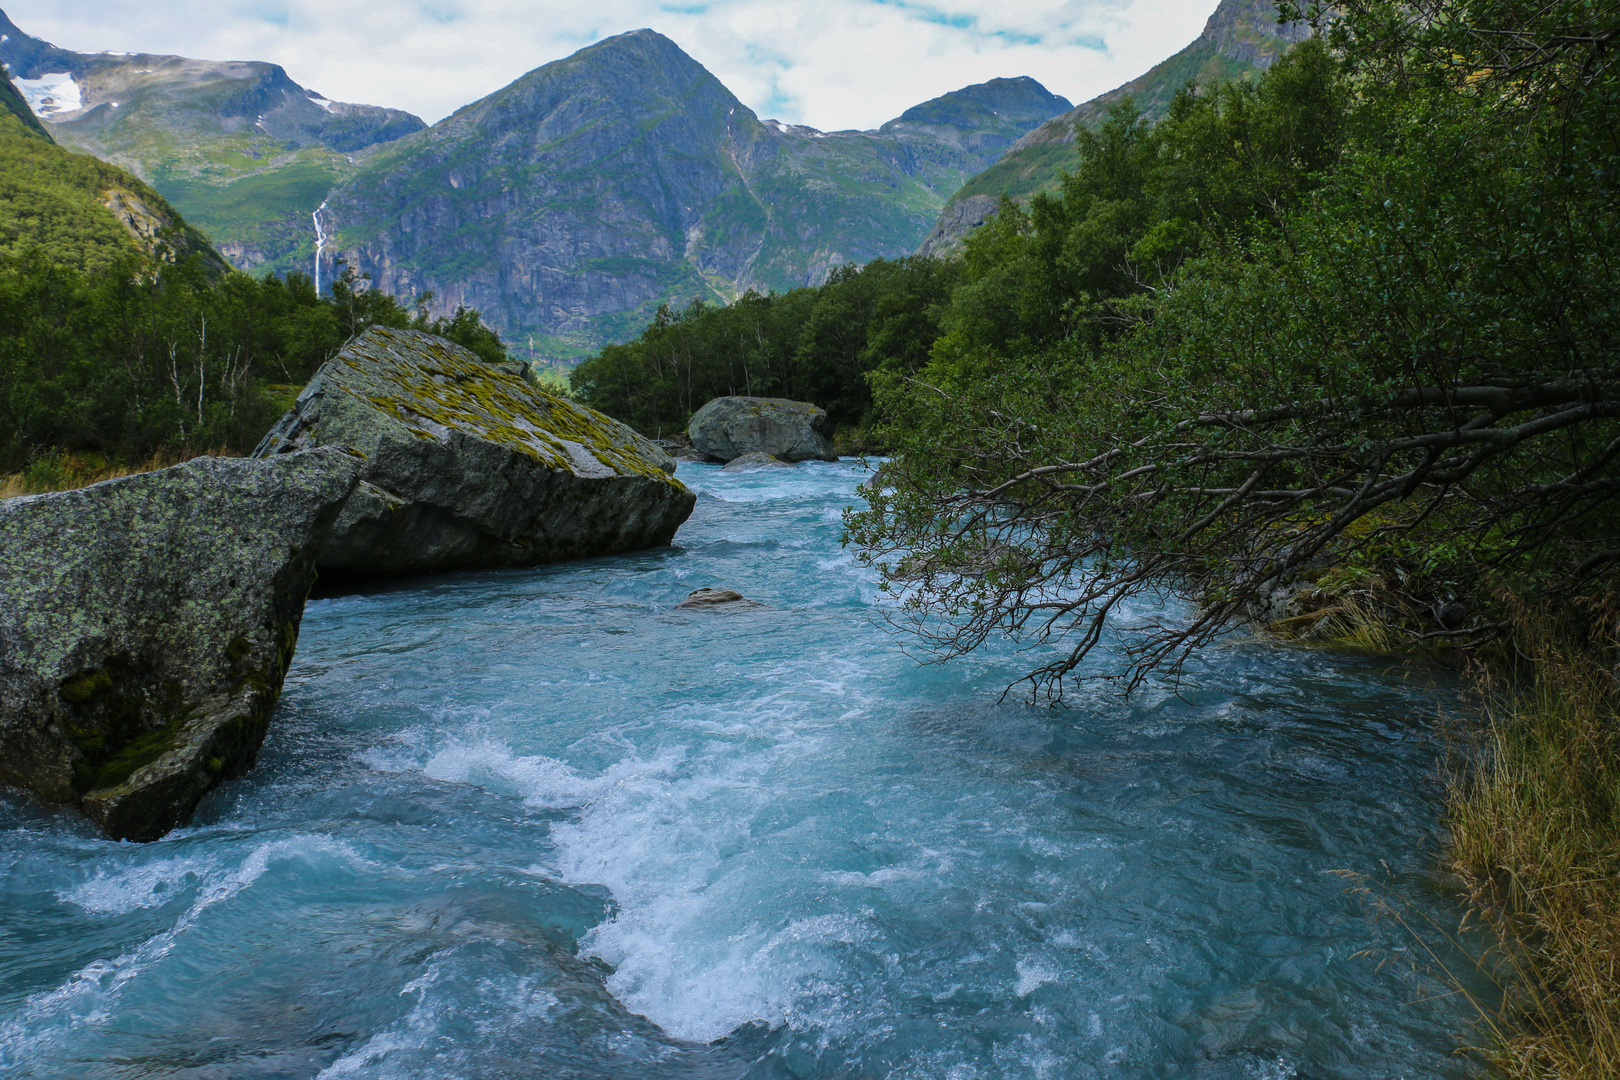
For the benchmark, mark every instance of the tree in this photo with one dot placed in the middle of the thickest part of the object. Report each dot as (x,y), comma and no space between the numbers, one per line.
(1404,343)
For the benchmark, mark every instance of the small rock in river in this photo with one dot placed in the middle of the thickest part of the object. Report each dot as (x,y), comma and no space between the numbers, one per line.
(714,599)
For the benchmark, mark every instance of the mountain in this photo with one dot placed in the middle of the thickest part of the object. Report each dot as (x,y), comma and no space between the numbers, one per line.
(238,147)
(568,205)
(1241,39)
(14,103)
(80,211)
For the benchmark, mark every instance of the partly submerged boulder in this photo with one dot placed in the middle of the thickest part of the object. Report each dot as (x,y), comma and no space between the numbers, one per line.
(729,427)
(716,600)
(145,627)
(755,460)
(467,465)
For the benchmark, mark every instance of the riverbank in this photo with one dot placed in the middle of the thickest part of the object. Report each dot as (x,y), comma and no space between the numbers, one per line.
(1535,824)
(1532,801)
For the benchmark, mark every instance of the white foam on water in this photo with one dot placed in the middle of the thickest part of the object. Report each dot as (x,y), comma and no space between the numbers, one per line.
(667,828)
(432,1039)
(704,939)
(1031,975)
(52,93)
(89,994)
(540,781)
(416,1031)
(147,885)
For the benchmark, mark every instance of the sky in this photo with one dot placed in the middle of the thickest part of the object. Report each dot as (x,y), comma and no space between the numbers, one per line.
(831,64)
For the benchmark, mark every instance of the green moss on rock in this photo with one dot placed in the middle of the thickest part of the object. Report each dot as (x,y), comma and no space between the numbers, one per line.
(470,465)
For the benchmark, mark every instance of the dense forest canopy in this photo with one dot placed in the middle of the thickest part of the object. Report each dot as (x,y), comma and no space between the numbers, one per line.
(1361,309)
(147,355)
(812,344)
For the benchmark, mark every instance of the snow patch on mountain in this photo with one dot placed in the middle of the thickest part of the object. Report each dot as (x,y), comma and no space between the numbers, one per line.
(51,94)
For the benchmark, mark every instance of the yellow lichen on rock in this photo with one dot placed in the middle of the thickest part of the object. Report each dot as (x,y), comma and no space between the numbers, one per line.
(467,464)
(466,394)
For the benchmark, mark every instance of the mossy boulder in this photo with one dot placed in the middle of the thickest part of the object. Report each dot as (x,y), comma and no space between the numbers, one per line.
(146,624)
(729,427)
(467,465)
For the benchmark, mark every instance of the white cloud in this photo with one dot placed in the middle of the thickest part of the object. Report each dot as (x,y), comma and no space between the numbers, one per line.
(828,63)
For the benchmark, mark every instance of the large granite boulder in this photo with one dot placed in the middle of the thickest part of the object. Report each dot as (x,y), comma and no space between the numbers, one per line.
(730,427)
(467,465)
(145,627)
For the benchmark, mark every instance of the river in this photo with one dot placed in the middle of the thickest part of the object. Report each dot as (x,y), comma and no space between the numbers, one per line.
(541,824)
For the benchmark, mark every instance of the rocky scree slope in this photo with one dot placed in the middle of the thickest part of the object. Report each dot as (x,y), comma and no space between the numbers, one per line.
(466,465)
(1241,38)
(568,205)
(239,148)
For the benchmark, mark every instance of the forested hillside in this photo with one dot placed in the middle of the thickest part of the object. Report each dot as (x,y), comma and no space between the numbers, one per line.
(813,344)
(238,147)
(79,211)
(1241,39)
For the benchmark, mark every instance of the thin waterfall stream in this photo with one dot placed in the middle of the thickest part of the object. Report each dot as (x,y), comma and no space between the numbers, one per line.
(541,823)
(320,243)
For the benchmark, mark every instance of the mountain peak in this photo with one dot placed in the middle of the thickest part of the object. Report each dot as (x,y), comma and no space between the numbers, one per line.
(1014,100)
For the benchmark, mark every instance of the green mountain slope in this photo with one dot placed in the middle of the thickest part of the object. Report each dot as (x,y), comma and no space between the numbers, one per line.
(12,102)
(567,206)
(78,210)
(1241,38)
(239,148)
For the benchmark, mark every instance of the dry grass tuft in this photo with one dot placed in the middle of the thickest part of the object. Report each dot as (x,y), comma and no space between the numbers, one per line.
(66,470)
(1536,839)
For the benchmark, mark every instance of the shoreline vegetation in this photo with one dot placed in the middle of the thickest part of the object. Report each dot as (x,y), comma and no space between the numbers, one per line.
(1535,834)
(65,470)
(1532,790)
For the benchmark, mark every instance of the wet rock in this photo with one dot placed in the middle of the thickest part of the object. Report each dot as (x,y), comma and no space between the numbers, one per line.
(716,600)
(729,427)
(148,622)
(755,460)
(467,465)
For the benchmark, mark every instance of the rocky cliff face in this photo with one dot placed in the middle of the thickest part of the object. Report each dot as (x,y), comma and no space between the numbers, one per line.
(238,147)
(568,205)
(1241,37)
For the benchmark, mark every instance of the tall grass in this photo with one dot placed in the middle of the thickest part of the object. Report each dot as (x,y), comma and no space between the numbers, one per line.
(1535,824)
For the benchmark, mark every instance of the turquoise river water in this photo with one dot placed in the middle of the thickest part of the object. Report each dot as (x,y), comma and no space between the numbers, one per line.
(541,824)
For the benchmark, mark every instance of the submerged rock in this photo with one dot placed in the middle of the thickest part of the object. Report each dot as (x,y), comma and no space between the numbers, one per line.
(755,460)
(467,465)
(729,427)
(716,599)
(147,624)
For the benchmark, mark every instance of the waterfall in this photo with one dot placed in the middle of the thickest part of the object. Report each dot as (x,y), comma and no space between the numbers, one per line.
(320,243)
